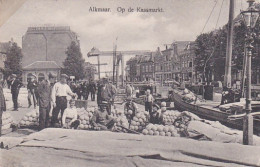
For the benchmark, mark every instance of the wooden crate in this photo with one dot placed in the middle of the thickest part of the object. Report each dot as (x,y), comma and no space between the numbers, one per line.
(81,103)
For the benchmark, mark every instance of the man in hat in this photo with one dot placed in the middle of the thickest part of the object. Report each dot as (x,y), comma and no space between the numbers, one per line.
(32,87)
(92,87)
(44,90)
(59,95)
(16,84)
(108,93)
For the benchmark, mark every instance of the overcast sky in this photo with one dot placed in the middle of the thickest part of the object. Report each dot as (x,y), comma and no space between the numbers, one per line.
(182,20)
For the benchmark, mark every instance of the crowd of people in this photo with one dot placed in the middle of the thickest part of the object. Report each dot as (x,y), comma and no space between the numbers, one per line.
(51,97)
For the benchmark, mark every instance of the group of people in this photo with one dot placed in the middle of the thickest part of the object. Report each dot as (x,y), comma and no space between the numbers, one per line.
(83,89)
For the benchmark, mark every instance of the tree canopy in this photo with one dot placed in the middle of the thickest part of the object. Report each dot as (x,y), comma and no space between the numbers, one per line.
(210,51)
(74,63)
(13,63)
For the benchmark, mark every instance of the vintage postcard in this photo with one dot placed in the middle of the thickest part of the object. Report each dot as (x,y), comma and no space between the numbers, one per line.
(125,83)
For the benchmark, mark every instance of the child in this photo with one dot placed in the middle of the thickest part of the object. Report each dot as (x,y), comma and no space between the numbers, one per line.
(70,115)
(149,102)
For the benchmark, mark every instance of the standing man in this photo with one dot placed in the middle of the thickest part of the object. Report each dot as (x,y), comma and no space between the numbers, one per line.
(108,93)
(100,87)
(92,90)
(149,102)
(44,90)
(2,107)
(59,95)
(31,87)
(16,84)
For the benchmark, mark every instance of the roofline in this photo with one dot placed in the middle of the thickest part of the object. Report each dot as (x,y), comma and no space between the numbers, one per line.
(28,66)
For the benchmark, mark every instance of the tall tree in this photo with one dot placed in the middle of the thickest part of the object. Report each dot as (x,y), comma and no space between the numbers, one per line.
(74,63)
(13,63)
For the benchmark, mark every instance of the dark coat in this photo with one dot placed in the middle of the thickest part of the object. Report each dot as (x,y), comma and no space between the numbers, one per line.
(44,90)
(16,85)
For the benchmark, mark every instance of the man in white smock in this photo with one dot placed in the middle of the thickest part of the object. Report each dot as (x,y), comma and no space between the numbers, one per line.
(60,91)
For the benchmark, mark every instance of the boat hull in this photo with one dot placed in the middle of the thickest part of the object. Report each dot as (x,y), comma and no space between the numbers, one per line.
(210,113)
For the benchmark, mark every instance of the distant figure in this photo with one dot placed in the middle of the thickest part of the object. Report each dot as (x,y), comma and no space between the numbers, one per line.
(31,87)
(149,102)
(100,87)
(16,84)
(70,116)
(2,107)
(44,89)
(85,90)
(108,93)
(129,91)
(59,95)
(92,90)
(78,90)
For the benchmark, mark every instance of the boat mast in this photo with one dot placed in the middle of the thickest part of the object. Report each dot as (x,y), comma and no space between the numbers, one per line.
(227,79)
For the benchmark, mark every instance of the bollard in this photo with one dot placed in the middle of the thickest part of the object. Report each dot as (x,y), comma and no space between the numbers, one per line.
(248,130)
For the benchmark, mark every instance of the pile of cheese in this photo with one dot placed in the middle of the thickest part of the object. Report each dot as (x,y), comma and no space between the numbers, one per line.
(7,121)
(188,96)
(139,122)
(30,119)
(170,116)
(160,130)
(85,116)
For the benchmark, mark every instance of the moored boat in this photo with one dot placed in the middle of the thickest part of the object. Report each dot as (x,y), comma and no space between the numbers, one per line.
(209,110)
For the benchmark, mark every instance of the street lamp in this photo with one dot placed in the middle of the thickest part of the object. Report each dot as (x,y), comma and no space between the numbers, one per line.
(250,17)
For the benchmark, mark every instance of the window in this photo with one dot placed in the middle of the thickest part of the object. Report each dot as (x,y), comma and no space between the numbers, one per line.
(190,64)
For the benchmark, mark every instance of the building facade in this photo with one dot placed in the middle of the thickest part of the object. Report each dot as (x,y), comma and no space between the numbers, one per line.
(187,55)
(45,44)
(41,69)
(147,68)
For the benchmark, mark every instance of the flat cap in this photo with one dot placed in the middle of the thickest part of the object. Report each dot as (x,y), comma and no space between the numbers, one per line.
(64,76)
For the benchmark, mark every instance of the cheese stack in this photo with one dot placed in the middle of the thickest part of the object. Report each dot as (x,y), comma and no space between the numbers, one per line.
(85,116)
(160,130)
(121,121)
(7,121)
(170,116)
(183,121)
(30,119)
(139,121)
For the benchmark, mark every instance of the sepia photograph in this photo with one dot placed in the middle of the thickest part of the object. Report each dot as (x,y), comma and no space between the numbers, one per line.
(129,83)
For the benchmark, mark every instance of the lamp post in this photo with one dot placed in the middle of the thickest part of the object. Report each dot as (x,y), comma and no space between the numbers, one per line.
(250,17)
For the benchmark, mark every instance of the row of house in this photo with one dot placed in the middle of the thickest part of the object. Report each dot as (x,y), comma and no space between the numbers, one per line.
(175,62)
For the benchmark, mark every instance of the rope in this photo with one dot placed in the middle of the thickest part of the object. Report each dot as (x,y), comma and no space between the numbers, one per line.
(209,16)
(219,13)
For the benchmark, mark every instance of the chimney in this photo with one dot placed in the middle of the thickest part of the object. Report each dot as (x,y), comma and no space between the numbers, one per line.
(166,47)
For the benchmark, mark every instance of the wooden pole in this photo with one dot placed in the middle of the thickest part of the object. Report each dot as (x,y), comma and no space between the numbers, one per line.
(227,79)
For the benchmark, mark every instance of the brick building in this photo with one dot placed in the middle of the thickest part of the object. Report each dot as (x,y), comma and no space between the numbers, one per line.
(45,45)
(133,69)
(187,56)
(147,68)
